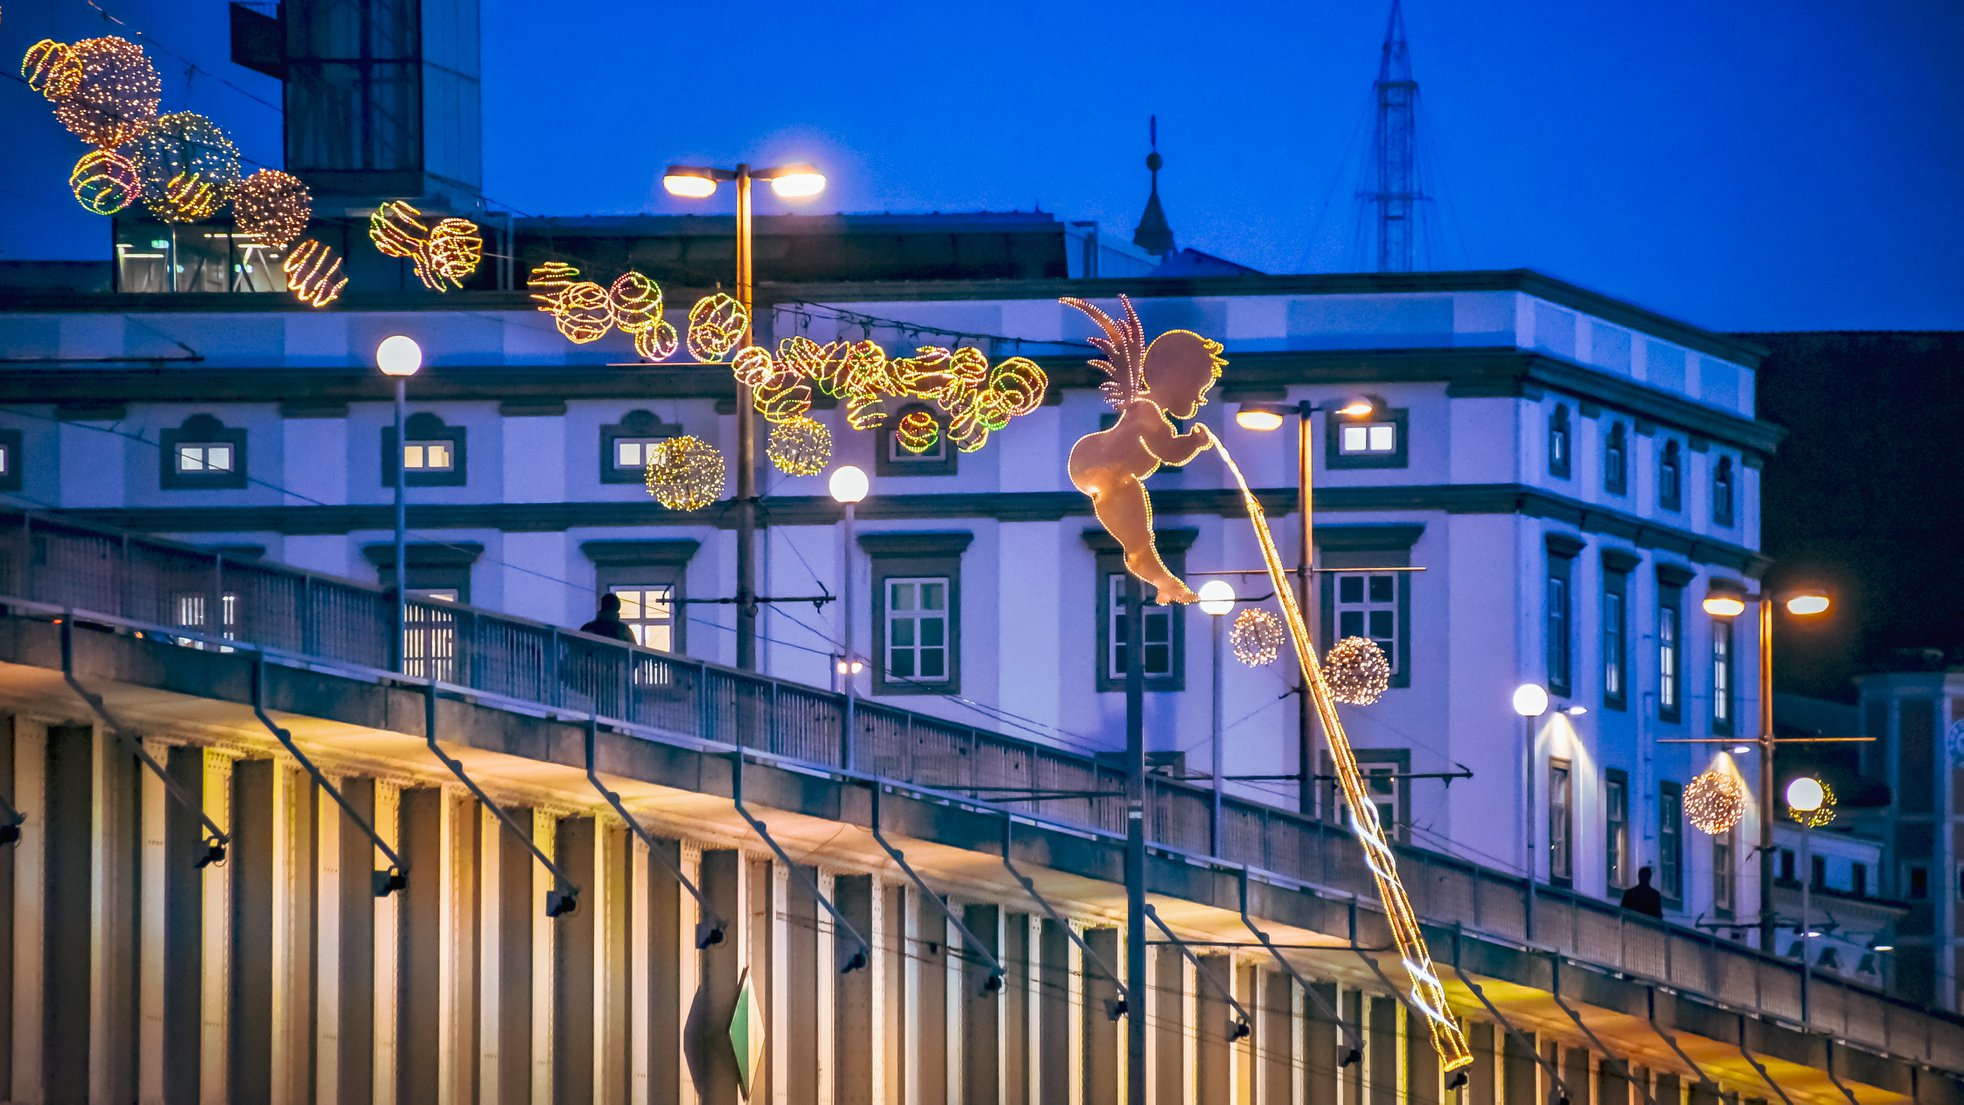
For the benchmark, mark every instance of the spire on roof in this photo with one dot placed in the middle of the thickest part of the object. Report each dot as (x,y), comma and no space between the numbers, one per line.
(1153,234)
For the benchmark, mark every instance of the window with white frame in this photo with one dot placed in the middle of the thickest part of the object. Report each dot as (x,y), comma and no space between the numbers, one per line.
(1561,822)
(202,452)
(1670,477)
(1670,842)
(1725,876)
(1367,439)
(199,457)
(428,456)
(1616,460)
(1721,675)
(1561,615)
(431,452)
(1669,678)
(1616,635)
(1616,829)
(627,446)
(1387,782)
(1558,443)
(634,453)
(648,610)
(1156,633)
(1722,492)
(917,629)
(1367,606)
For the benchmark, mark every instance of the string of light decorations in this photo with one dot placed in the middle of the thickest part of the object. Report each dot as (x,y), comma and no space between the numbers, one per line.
(188,165)
(313,273)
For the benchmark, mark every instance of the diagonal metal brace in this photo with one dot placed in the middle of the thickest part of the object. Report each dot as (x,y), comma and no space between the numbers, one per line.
(1650,1006)
(711,931)
(382,883)
(864,955)
(1630,1076)
(215,838)
(1756,1065)
(1353,1048)
(1242,1026)
(1118,1008)
(991,985)
(1507,1025)
(565,896)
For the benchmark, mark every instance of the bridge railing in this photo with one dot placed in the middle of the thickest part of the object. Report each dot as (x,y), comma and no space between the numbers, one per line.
(321,619)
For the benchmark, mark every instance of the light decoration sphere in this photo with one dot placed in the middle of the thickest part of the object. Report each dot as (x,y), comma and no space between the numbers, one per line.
(799,446)
(916,431)
(717,324)
(1715,801)
(189,166)
(450,255)
(1357,671)
(548,280)
(105,182)
(1016,387)
(116,98)
(869,412)
(685,473)
(1810,802)
(52,68)
(754,367)
(313,274)
(782,398)
(1256,637)
(583,312)
(274,207)
(637,302)
(397,229)
(658,343)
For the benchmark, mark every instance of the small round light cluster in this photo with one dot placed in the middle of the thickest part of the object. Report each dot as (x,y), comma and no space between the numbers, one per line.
(685,473)
(582,312)
(105,182)
(917,431)
(313,274)
(717,324)
(397,229)
(1820,815)
(450,255)
(1715,800)
(116,97)
(1357,671)
(799,446)
(657,343)
(53,69)
(637,302)
(189,165)
(1256,637)
(274,207)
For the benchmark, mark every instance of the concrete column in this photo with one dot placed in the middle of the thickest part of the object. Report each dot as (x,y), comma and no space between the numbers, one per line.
(113,909)
(1166,1023)
(855,1031)
(1277,1043)
(328,1009)
(269,860)
(782,1005)
(153,952)
(31,856)
(824,995)
(1322,1047)
(345,971)
(1214,1067)
(1060,1027)
(985,1041)
(1353,1082)
(706,1042)
(574,938)
(1101,1065)
(661,954)
(545,834)
(421,943)
(953,1002)
(688,977)
(297,859)
(1520,1077)
(387,959)
(1421,1062)
(1482,1078)
(611,980)
(890,1009)
(1246,1067)
(456,1077)
(927,1068)
(504,914)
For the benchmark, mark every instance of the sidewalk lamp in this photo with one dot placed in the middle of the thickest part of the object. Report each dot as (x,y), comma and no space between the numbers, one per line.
(399,358)
(1805,797)
(1217,602)
(1266,418)
(1530,701)
(848,486)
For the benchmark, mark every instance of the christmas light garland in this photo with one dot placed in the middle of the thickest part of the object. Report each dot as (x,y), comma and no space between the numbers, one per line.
(105,182)
(1357,671)
(397,230)
(685,473)
(449,255)
(313,273)
(582,312)
(658,343)
(1715,801)
(717,324)
(637,302)
(547,281)
(274,207)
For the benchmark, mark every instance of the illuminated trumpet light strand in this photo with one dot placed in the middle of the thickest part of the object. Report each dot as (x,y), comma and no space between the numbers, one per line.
(313,273)
(1428,994)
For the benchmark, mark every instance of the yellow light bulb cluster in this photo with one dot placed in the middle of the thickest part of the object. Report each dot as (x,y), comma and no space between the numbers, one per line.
(105,182)
(583,312)
(548,280)
(1715,801)
(53,69)
(916,432)
(274,207)
(717,325)
(397,229)
(658,343)
(189,166)
(443,256)
(1357,671)
(976,398)
(1814,818)
(685,473)
(799,446)
(637,302)
(1256,637)
(115,97)
(313,273)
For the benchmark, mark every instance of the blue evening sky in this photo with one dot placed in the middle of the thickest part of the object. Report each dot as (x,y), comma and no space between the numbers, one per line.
(1754,164)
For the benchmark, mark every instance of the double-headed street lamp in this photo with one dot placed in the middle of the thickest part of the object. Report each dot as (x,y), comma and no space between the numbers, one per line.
(399,358)
(1265,418)
(797,181)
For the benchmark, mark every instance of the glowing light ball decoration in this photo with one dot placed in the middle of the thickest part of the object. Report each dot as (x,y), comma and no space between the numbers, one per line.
(116,98)
(637,303)
(397,230)
(1256,637)
(1016,387)
(274,207)
(754,367)
(548,280)
(105,182)
(917,432)
(716,325)
(1800,792)
(190,167)
(658,343)
(1715,801)
(313,274)
(583,312)
(52,68)
(782,398)
(869,412)
(450,255)
(685,473)
(799,446)
(1357,671)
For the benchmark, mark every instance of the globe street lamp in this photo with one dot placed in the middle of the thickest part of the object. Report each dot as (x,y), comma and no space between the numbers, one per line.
(848,486)
(399,358)
(1217,601)
(1805,797)
(1265,418)
(1530,702)
(796,181)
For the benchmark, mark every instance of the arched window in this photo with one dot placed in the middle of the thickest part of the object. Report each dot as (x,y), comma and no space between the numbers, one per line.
(202,452)
(432,453)
(1670,478)
(1722,495)
(1558,443)
(1616,460)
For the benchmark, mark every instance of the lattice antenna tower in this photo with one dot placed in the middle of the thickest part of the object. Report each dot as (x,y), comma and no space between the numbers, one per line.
(1394,150)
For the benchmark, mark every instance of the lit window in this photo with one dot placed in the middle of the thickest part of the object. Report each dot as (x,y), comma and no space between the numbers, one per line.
(1667,660)
(1157,632)
(917,629)
(1367,606)
(1722,675)
(1558,446)
(189,611)
(1670,841)
(634,452)
(1561,823)
(428,456)
(1616,828)
(649,611)
(203,457)
(1368,439)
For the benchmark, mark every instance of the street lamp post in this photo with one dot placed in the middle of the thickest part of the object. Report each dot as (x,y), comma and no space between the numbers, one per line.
(1726,605)
(848,487)
(1217,601)
(1267,417)
(399,358)
(1805,797)
(788,182)
(1530,702)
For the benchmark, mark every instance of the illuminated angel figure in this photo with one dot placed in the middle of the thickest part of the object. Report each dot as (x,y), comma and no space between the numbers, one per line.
(1149,386)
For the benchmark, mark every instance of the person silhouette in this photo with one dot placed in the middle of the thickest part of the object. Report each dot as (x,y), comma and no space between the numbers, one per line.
(1643,898)
(607,621)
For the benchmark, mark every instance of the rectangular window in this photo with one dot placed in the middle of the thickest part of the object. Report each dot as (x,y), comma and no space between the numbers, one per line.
(649,611)
(1725,877)
(1786,865)
(1366,438)
(1670,842)
(1561,823)
(1616,461)
(934,457)
(1858,880)
(1558,447)
(428,456)
(204,457)
(189,613)
(1722,492)
(1616,829)
(917,630)
(1381,782)
(1561,574)
(632,453)
(1670,681)
(429,637)
(1670,478)
(1386,781)
(1367,606)
(1721,675)
(1616,651)
(1916,882)
(1157,633)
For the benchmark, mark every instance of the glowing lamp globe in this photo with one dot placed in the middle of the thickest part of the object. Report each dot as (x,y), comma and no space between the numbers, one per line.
(398,355)
(1530,700)
(1810,603)
(1357,408)
(797,182)
(692,184)
(849,484)
(1217,597)
(1804,795)
(1724,606)
(1259,419)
